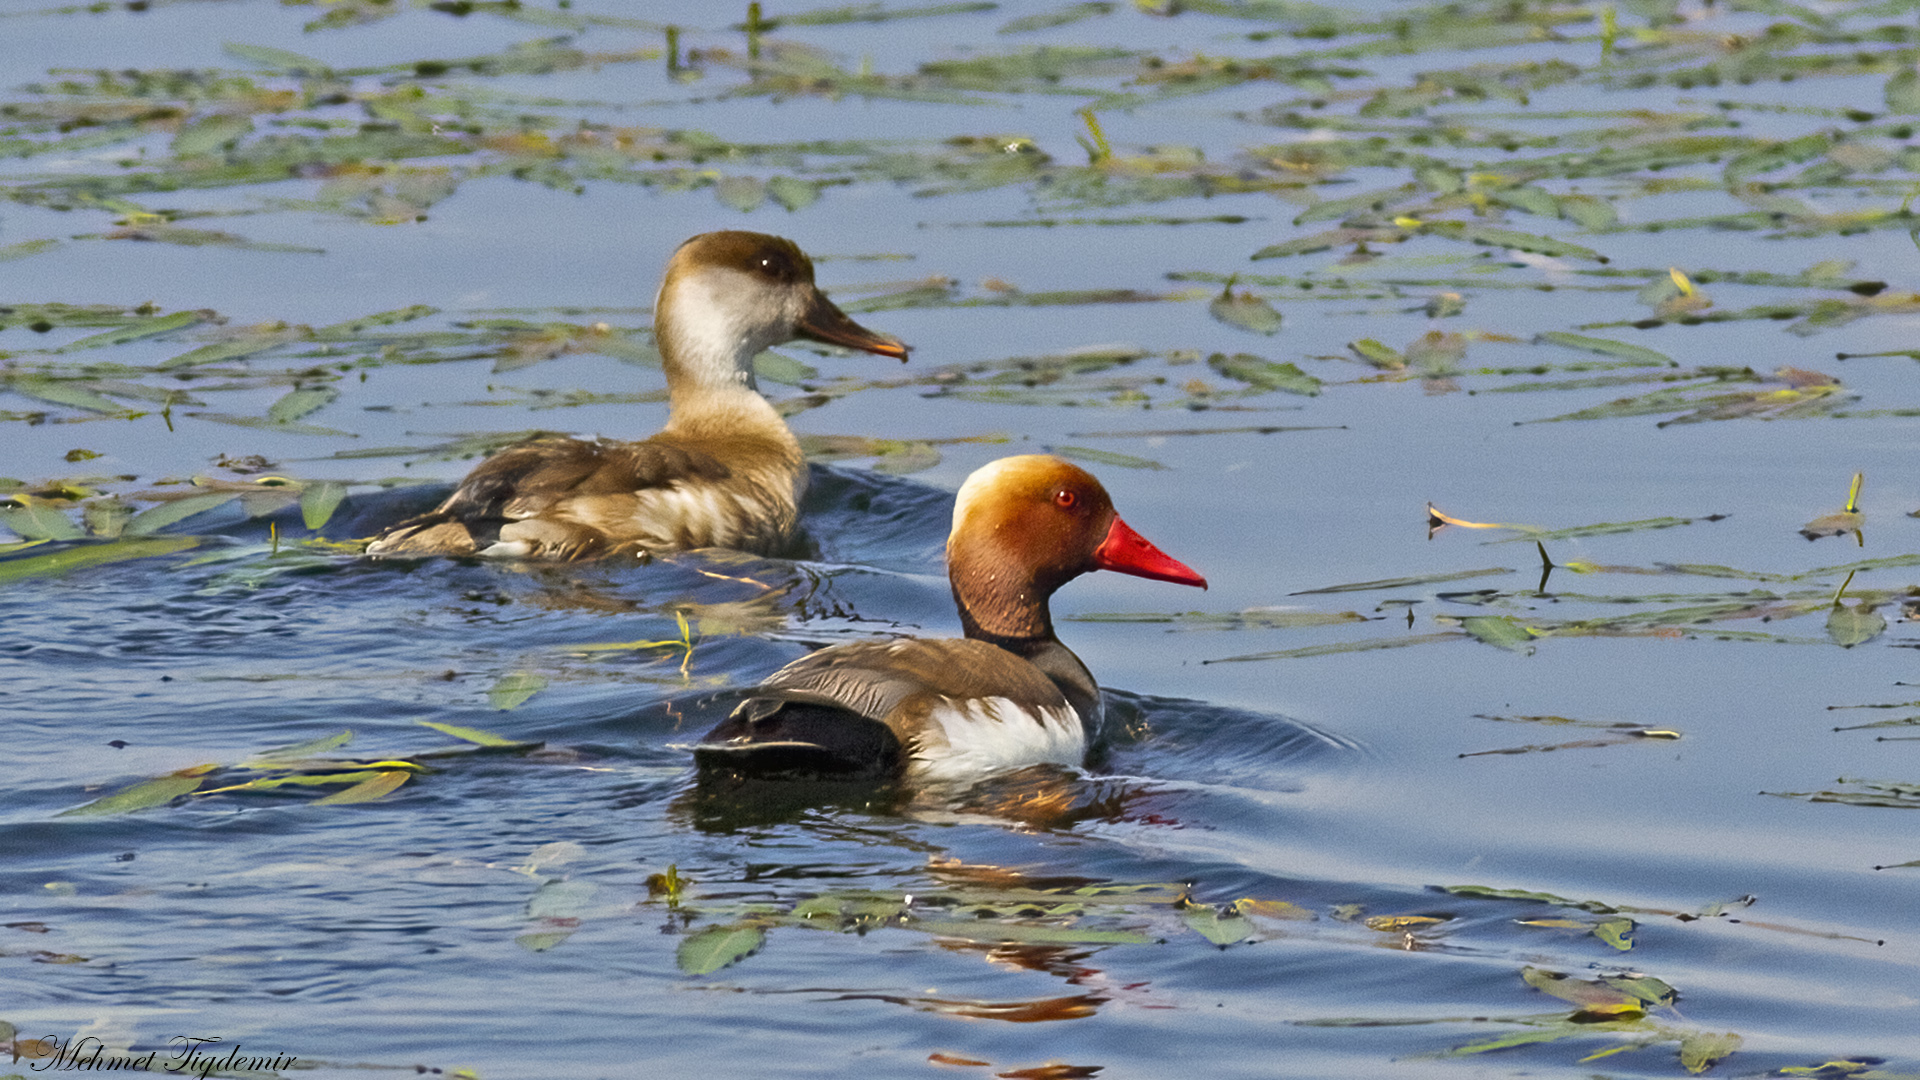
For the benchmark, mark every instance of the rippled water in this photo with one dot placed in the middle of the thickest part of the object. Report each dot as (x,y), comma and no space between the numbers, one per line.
(1361,859)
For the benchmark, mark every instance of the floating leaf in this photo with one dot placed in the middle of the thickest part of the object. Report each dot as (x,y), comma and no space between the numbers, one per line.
(989,931)
(1105,457)
(560,899)
(170,513)
(319,500)
(1592,998)
(149,793)
(792,193)
(711,948)
(290,63)
(209,134)
(1501,630)
(146,327)
(82,555)
(38,519)
(1700,1051)
(1407,582)
(1396,924)
(1856,624)
(512,691)
(296,404)
(1633,354)
(485,738)
(1222,927)
(1246,311)
(1379,355)
(1616,932)
(369,789)
(1264,374)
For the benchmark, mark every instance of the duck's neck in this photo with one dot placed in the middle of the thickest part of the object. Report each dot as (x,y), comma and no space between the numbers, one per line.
(1026,631)
(709,367)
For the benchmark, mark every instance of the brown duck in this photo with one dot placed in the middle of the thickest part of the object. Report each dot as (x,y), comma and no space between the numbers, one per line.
(724,472)
(1005,696)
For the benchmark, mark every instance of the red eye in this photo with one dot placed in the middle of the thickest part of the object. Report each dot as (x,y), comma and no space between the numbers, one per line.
(1065,499)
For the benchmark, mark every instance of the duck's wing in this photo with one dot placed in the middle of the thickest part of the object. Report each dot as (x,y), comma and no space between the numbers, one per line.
(881,708)
(537,479)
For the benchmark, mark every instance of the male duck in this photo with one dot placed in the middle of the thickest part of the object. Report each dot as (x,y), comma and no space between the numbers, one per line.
(724,472)
(1005,696)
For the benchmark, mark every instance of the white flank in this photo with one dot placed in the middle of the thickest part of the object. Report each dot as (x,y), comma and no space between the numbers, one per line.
(993,734)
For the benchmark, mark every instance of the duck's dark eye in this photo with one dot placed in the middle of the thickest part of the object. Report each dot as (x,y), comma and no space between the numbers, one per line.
(777,267)
(1065,499)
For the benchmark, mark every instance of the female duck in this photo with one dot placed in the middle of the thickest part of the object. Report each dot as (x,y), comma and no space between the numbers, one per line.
(724,472)
(1005,696)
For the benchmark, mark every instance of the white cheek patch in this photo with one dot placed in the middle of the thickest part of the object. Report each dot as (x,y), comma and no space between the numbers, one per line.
(993,734)
(718,329)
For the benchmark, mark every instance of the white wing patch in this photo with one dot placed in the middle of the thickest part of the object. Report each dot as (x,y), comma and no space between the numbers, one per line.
(993,734)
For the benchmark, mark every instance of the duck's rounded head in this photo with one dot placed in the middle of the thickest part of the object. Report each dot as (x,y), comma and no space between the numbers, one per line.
(1024,526)
(729,295)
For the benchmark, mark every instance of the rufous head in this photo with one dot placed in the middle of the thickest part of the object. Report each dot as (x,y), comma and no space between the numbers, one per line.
(1024,526)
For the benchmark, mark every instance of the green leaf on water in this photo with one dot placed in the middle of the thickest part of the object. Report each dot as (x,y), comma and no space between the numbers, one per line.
(1341,647)
(1249,619)
(318,501)
(144,327)
(1856,624)
(289,63)
(77,556)
(38,519)
(742,193)
(74,394)
(1592,998)
(1616,932)
(904,458)
(560,899)
(1407,582)
(1062,16)
(1246,311)
(1264,374)
(210,134)
(1903,91)
(155,518)
(793,193)
(1841,523)
(1888,793)
(1105,457)
(1223,928)
(1634,354)
(298,403)
(989,931)
(512,691)
(476,735)
(1700,1050)
(1486,892)
(1503,631)
(269,424)
(148,793)
(711,948)
(1381,356)
(25,248)
(1518,241)
(369,789)
(106,518)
